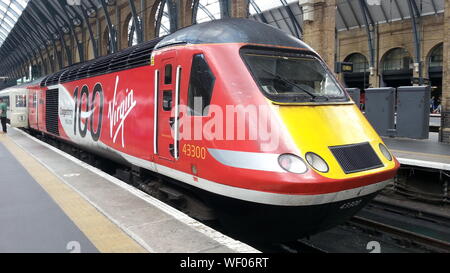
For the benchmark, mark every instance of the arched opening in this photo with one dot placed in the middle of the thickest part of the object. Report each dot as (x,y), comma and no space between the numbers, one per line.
(435,64)
(359,78)
(397,68)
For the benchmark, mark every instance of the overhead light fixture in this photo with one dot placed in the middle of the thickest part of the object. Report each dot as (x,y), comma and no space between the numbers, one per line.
(76,22)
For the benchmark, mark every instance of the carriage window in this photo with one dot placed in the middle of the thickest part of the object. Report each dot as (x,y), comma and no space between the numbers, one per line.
(201,86)
(168,74)
(21,101)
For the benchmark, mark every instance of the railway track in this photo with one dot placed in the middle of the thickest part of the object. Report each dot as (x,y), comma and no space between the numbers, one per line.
(430,243)
(380,222)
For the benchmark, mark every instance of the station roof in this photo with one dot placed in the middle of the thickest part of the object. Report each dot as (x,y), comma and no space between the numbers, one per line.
(10,11)
(29,26)
(350,15)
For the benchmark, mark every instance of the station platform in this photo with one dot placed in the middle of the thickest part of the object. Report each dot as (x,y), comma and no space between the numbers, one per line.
(421,153)
(52,202)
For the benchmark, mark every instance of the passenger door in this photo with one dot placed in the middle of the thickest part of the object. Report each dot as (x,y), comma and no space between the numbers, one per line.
(168,107)
(18,109)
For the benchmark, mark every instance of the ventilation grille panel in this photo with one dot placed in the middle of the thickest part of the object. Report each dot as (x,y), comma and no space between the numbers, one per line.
(51,111)
(356,158)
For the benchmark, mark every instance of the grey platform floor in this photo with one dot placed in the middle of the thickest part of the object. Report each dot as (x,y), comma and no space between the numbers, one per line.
(30,221)
(153,224)
(422,153)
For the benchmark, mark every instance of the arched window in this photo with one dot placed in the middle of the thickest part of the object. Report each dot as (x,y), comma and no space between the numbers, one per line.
(360,63)
(437,56)
(397,59)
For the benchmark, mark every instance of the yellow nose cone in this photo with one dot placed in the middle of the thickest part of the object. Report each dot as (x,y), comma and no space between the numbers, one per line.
(316,128)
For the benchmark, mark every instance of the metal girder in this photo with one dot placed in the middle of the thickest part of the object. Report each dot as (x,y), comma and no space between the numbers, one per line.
(352,9)
(258,11)
(370,27)
(24,36)
(113,47)
(273,17)
(434,7)
(384,12)
(45,20)
(137,24)
(225,7)
(297,27)
(74,34)
(415,20)
(205,10)
(7,10)
(44,27)
(195,4)
(91,32)
(342,17)
(25,57)
(28,28)
(399,9)
(51,10)
(173,14)
(160,14)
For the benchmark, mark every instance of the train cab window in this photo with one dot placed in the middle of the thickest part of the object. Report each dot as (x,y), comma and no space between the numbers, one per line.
(292,77)
(201,86)
(168,74)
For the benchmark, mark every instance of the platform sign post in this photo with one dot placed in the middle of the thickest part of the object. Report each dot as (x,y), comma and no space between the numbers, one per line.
(413,112)
(380,109)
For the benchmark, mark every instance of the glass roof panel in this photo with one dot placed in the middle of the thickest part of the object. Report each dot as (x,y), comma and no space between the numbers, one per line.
(208,10)
(10,10)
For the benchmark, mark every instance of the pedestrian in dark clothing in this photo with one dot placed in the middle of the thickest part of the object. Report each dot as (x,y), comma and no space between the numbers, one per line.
(3,110)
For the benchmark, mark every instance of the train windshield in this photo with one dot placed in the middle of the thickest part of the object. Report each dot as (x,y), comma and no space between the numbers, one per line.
(287,78)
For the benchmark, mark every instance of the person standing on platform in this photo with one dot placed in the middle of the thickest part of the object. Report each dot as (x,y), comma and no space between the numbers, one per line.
(3,109)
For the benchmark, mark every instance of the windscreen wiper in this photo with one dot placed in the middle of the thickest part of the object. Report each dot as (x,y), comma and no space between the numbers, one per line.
(278,77)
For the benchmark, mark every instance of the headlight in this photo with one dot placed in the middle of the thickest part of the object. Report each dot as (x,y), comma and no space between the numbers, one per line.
(292,163)
(317,162)
(385,152)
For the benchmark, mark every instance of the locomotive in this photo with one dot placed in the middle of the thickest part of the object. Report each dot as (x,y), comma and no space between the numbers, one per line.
(246,118)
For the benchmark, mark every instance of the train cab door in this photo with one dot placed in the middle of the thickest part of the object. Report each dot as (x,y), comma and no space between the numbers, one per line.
(32,109)
(18,109)
(40,96)
(167,92)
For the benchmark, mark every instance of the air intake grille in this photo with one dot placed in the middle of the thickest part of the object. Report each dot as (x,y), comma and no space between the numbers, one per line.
(132,57)
(356,158)
(51,111)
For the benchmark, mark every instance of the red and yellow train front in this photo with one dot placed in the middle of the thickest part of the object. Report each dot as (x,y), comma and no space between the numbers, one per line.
(281,142)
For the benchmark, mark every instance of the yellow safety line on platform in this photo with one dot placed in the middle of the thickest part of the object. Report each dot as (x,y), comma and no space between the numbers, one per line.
(105,235)
(418,153)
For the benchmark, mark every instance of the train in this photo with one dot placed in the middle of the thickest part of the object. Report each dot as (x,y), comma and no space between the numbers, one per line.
(248,121)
